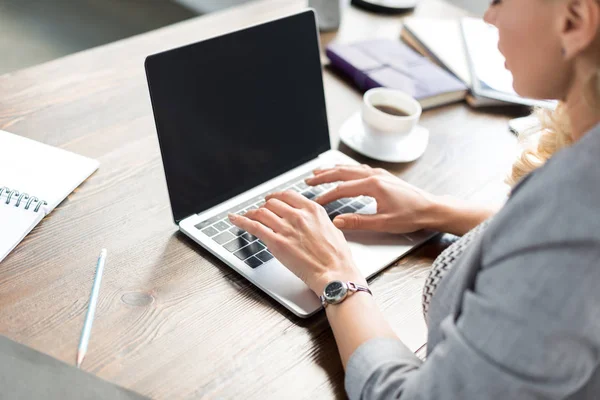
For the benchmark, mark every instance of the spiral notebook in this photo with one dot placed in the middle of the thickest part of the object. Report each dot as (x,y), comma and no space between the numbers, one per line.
(34,179)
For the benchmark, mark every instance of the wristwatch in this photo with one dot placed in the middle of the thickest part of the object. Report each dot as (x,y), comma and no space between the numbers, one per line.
(336,291)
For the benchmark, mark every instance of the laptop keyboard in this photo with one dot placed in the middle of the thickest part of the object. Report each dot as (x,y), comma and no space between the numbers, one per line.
(249,248)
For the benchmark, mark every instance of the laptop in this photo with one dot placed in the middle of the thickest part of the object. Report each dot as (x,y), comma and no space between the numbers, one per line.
(242,115)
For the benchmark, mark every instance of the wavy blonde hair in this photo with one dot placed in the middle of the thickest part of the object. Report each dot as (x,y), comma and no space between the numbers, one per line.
(552,134)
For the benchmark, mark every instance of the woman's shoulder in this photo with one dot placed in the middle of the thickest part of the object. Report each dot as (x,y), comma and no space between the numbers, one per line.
(575,167)
(558,203)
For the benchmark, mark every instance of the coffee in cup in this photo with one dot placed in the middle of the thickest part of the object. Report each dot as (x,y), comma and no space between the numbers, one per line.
(389,113)
(391,110)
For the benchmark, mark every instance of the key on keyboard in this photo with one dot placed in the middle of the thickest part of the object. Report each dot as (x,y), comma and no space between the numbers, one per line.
(222,225)
(249,237)
(249,250)
(223,237)
(236,244)
(264,256)
(347,210)
(236,231)
(210,231)
(253,262)
(309,195)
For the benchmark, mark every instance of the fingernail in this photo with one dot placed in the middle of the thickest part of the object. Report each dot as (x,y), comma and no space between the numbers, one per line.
(232,216)
(339,222)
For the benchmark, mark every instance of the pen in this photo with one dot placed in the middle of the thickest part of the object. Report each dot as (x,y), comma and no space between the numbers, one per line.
(89,318)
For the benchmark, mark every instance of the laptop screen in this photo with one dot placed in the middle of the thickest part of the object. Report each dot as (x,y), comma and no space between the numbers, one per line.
(237,110)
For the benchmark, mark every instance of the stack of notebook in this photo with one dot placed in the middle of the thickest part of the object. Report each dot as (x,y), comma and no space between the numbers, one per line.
(392,64)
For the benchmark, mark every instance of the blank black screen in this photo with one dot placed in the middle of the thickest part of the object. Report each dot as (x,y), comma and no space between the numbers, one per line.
(234,111)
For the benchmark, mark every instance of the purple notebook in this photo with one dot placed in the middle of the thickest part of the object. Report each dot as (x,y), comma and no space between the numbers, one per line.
(392,64)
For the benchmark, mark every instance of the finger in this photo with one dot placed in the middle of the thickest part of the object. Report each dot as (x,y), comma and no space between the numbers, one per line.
(281,209)
(291,198)
(253,227)
(327,167)
(343,173)
(319,171)
(267,218)
(359,222)
(347,189)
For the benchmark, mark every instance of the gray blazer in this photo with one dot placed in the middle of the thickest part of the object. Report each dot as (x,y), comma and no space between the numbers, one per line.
(518,317)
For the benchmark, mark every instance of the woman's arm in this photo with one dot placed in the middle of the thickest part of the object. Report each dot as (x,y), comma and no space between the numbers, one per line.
(451,215)
(355,321)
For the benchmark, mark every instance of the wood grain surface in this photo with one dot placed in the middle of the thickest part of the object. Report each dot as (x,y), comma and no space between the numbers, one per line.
(172,321)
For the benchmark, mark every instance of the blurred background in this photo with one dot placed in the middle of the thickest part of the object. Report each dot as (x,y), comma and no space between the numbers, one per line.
(36,31)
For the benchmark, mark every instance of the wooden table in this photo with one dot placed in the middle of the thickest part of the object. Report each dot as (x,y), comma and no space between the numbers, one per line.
(172,321)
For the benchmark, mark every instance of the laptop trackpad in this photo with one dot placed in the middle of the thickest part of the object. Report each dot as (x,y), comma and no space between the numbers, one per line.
(373,251)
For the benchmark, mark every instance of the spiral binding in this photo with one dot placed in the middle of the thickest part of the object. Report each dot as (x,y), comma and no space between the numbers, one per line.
(21,199)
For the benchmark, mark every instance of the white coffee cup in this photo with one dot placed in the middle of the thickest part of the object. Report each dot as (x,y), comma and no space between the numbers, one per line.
(384,126)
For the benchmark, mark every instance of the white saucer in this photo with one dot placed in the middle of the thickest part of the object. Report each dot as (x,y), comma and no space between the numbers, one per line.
(405,149)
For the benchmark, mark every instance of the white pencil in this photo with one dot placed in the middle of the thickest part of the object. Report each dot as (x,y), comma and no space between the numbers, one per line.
(89,318)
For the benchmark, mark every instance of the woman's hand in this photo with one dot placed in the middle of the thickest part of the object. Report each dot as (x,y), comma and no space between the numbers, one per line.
(300,235)
(401,207)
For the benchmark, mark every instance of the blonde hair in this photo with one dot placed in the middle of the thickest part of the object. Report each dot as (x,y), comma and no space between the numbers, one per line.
(552,134)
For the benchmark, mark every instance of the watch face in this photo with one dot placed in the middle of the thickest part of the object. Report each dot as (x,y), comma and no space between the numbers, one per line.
(335,290)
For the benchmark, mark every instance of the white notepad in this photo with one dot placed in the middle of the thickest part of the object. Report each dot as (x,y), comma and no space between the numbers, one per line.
(34,179)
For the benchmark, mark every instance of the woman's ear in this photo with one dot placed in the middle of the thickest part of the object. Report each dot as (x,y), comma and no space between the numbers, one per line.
(579,26)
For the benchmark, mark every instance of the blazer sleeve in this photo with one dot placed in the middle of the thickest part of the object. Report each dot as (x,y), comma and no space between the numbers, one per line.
(529,329)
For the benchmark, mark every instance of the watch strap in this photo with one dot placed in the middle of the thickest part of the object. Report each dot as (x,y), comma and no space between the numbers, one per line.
(353,287)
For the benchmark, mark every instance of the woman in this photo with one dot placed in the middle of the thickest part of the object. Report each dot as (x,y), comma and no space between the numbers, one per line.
(518,314)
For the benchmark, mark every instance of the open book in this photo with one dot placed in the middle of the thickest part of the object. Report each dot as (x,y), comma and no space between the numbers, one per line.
(34,179)
(441,40)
